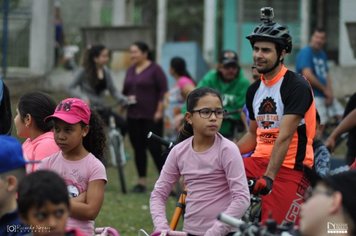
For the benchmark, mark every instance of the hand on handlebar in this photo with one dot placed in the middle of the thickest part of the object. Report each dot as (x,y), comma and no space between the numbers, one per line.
(263,185)
(131,100)
(128,100)
(330,143)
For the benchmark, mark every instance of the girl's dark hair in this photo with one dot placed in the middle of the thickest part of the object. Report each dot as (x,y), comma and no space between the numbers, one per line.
(39,105)
(40,187)
(95,140)
(145,49)
(89,63)
(197,94)
(179,66)
(192,101)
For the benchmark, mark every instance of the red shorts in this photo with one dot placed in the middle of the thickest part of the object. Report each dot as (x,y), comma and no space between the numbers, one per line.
(284,202)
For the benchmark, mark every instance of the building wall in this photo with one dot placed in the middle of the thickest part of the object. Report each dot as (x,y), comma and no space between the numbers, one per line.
(347,14)
(238,23)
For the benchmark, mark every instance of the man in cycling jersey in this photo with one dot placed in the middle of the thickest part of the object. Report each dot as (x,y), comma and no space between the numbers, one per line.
(282,124)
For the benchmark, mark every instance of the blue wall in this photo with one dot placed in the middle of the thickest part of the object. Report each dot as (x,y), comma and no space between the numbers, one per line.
(230,25)
(192,55)
(230,30)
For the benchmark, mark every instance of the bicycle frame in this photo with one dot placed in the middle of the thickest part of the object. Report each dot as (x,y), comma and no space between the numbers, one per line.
(117,152)
(180,207)
(115,144)
(112,133)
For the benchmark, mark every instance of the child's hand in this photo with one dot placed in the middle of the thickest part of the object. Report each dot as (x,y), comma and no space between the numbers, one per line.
(81,197)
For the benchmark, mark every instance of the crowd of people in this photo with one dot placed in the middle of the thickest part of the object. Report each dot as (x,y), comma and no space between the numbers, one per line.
(279,115)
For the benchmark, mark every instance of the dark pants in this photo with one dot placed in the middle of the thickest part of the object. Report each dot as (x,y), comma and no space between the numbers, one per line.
(138,130)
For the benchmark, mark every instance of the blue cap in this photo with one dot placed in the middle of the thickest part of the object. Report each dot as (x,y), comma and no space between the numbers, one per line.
(11,157)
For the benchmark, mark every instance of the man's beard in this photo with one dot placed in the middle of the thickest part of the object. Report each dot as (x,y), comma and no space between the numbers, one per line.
(267,70)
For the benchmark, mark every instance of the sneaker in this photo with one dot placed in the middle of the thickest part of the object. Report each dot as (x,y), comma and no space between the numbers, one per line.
(139,188)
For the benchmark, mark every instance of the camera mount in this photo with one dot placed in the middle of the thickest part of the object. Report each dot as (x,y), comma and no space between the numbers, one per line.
(267,14)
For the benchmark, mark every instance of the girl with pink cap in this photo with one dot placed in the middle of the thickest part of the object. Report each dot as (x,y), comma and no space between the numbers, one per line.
(79,134)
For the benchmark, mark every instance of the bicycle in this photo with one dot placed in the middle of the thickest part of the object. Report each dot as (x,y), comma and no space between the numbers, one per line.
(115,144)
(270,228)
(253,212)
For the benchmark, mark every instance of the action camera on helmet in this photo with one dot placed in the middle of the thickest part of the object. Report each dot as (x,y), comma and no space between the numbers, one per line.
(267,14)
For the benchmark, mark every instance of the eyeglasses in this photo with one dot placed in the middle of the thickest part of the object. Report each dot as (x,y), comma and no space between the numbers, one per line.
(206,113)
(312,192)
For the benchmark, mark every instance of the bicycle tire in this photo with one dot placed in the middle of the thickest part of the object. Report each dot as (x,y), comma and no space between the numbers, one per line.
(115,141)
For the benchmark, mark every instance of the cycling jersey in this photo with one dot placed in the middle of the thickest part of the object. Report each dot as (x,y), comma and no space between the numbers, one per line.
(268,101)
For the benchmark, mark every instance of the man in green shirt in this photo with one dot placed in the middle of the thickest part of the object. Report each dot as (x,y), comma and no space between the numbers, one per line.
(230,81)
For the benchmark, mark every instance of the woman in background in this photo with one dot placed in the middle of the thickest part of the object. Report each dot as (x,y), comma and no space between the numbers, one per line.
(93,79)
(146,84)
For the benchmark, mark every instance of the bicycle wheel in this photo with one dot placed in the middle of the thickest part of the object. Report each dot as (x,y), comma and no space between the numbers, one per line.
(115,142)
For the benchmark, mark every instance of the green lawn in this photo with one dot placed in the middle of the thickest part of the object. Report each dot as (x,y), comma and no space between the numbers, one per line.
(129,212)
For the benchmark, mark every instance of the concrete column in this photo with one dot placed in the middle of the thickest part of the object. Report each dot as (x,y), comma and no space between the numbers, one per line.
(42,36)
(119,13)
(209,33)
(305,23)
(130,5)
(95,12)
(161,27)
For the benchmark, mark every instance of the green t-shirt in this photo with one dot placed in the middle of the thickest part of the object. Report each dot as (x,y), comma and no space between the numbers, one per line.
(233,94)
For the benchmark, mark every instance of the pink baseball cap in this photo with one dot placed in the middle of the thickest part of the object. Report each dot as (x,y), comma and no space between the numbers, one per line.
(72,111)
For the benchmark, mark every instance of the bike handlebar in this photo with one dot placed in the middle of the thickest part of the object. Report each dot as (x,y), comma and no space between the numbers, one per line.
(269,228)
(230,220)
(164,142)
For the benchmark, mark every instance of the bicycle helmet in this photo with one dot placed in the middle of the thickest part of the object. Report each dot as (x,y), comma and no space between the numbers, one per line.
(271,31)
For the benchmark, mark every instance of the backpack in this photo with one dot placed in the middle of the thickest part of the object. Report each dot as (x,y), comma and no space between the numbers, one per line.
(5,112)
